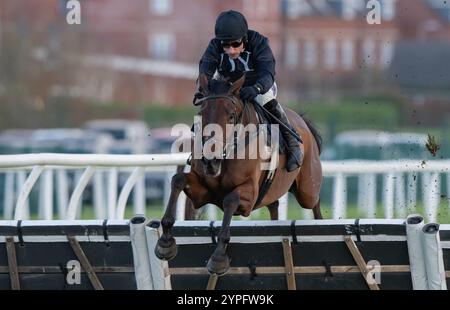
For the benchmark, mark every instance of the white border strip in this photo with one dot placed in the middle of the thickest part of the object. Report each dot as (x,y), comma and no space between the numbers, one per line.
(298,223)
(444,227)
(445,244)
(276,239)
(62,238)
(13,223)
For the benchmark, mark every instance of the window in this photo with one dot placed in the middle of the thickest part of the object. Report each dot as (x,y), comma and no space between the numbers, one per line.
(350,8)
(388,9)
(323,6)
(161,7)
(258,8)
(329,54)
(292,50)
(347,54)
(369,51)
(162,46)
(310,54)
(297,8)
(386,54)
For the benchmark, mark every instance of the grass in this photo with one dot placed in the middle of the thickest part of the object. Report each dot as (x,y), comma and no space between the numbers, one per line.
(155,211)
(353,212)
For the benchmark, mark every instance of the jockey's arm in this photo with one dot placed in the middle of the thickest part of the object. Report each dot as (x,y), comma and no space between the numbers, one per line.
(265,65)
(208,65)
(210,59)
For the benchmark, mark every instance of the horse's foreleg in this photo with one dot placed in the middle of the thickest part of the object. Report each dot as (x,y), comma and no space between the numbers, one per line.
(219,262)
(166,247)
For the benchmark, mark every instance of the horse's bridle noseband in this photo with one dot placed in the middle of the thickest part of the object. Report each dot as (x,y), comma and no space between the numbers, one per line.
(229,97)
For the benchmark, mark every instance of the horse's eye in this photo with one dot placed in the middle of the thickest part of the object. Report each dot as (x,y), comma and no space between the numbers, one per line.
(231,117)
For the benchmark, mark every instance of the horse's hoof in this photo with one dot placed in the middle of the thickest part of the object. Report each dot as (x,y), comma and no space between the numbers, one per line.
(218,265)
(166,250)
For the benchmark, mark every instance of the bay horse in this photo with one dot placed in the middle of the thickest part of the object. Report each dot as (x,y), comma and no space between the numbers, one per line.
(234,184)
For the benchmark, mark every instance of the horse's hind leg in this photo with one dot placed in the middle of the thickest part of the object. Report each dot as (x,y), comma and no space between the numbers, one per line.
(189,211)
(308,193)
(316,211)
(308,201)
(273,210)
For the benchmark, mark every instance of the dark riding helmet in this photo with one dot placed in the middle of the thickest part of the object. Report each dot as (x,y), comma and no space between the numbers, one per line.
(231,25)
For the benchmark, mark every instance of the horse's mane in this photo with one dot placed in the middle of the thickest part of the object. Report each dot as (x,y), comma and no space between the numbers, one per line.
(219,85)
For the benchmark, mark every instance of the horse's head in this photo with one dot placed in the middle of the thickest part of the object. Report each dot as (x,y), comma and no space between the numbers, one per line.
(220,107)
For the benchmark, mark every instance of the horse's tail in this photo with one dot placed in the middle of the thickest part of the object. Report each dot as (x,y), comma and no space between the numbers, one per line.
(312,127)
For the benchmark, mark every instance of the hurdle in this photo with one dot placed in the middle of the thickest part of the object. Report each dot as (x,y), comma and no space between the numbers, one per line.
(64,255)
(305,255)
(296,255)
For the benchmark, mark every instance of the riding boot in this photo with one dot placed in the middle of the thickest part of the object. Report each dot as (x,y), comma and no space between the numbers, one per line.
(294,156)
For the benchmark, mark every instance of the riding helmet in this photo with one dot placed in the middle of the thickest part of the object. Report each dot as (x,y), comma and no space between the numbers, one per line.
(231,25)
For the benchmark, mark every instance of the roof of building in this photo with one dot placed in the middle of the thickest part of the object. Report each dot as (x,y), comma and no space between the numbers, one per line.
(297,8)
(161,68)
(422,65)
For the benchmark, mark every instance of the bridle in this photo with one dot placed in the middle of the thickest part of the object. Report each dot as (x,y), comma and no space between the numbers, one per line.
(229,145)
(229,97)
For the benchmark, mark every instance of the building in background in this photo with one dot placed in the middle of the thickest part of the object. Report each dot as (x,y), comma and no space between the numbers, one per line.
(328,45)
(147,51)
(155,46)
(322,44)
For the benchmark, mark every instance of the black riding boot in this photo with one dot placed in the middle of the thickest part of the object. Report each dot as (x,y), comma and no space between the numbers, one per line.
(294,156)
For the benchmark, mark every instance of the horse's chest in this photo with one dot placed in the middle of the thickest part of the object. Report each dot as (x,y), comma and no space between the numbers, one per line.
(212,184)
(217,185)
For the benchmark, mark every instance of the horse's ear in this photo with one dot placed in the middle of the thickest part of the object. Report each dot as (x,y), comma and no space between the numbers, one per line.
(236,86)
(204,82)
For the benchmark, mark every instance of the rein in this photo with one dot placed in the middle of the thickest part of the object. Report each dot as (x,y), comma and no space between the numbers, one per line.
(231,98)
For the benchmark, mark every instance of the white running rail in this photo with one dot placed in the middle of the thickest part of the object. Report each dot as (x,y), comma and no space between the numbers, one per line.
(21,173)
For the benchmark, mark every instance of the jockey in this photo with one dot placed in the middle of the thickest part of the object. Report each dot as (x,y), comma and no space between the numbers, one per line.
(236,50)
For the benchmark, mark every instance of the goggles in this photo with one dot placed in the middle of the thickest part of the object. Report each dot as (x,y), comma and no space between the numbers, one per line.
(234,44)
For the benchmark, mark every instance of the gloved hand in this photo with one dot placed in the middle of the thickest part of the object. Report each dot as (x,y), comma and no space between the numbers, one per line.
(249,93)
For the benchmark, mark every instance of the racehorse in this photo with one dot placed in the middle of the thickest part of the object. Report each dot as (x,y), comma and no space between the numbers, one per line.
(234,184)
